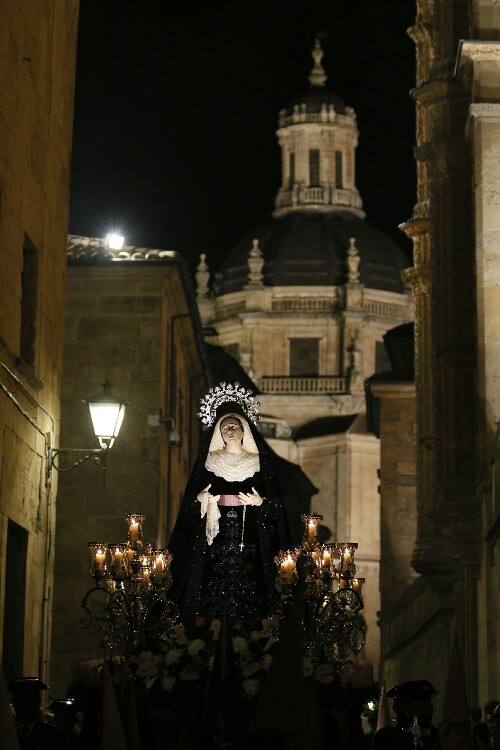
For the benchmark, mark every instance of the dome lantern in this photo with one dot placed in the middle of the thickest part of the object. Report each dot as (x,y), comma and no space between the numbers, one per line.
(318,136)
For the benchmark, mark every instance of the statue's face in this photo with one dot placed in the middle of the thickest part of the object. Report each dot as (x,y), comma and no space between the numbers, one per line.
(231,431)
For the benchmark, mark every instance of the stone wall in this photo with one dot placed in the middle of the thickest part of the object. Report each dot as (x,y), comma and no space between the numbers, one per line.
(37,69)
(455,229)
(478,69)
(130,323)
(398,512)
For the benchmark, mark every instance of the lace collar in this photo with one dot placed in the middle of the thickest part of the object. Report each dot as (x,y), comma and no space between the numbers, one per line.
(233,467)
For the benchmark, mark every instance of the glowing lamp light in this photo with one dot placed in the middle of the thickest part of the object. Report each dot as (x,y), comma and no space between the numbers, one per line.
(115,241)
(107,412)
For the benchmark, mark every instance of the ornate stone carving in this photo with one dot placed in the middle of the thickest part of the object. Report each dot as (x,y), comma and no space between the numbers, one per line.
(356,379)
(255,265)
(353,261)
(202,277)
(418,279)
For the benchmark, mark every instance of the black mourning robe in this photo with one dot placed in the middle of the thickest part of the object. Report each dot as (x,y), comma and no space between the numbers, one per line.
(223,579)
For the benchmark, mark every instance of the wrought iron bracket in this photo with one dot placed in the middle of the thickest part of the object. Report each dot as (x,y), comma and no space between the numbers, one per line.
(97,456)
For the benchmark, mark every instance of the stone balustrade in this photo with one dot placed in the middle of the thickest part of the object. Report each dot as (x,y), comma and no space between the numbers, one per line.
(313,385)
(387,310)
(304,304)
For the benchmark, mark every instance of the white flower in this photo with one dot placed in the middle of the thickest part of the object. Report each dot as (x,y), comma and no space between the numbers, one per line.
(147,664)
(251,686)
(240,644)
(168,682)
(195,647)
(173,655)
(180,636)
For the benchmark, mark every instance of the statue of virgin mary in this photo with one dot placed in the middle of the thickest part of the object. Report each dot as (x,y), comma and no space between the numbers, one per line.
(231,522)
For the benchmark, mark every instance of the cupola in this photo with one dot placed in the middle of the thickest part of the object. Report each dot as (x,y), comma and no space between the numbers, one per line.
(318,136)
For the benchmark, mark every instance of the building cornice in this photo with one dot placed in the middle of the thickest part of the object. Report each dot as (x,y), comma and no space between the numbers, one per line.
(485,111)
(476,50)
(92,250)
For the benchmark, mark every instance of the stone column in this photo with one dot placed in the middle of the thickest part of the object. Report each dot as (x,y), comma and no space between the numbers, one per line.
(485,142)
(443,283)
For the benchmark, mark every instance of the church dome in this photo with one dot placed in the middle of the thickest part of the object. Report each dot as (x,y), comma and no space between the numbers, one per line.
(304,248)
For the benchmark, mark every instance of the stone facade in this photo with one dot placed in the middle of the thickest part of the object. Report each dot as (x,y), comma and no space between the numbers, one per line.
(455,229)
(37,70)
(129,318)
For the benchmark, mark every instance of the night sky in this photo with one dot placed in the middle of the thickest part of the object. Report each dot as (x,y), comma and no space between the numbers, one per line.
(176,111)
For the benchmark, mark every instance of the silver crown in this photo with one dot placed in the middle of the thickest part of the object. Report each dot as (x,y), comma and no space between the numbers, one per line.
(223,393)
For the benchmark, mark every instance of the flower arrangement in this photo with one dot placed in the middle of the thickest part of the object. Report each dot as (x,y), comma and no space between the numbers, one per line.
(186,657)
(178,659)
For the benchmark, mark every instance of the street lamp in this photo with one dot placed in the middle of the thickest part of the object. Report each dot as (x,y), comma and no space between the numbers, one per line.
(106,412)
(115,240)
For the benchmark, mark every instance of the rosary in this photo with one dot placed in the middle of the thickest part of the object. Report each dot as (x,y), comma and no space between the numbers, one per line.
(243,528)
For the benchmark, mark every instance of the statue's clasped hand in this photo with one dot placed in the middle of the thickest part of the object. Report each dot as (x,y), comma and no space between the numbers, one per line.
(251,498)
(209,508)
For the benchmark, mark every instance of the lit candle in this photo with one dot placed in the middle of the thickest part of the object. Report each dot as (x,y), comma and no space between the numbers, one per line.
(134,528)
(343,583)
(130,553)
(327,559)
(311,531)
(145,576)
(118,555)
(288,567)
(100,559)
(346,558)
(159,564)
(356,585)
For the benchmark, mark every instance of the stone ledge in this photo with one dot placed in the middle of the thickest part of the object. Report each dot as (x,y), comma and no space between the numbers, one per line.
(394,389)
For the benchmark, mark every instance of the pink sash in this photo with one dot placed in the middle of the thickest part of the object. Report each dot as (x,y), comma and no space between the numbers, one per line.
(229,500)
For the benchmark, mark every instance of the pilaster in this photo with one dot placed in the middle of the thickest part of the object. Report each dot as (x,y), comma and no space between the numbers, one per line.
(442,284)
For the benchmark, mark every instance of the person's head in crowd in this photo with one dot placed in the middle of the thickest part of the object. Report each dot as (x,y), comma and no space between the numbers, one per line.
(26,698)
(490,708)
(413,700)
(65,712)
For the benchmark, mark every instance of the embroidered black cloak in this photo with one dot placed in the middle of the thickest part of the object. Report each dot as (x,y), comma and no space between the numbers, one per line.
(210,581)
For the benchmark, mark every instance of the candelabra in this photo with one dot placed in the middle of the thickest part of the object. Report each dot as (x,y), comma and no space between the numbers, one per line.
(334,629)
(129,602)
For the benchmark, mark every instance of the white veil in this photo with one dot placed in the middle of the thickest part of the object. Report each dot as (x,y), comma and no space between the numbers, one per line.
(249,444)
